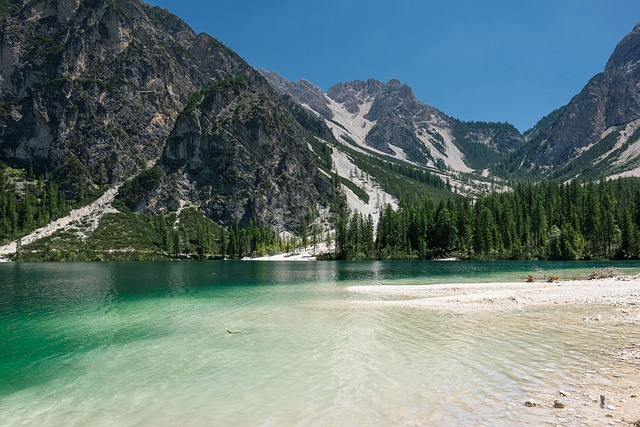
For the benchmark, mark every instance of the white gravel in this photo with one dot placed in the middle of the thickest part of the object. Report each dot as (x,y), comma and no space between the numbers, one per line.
(92,212)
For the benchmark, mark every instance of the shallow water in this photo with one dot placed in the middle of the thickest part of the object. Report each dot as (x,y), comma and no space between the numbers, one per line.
(134,344)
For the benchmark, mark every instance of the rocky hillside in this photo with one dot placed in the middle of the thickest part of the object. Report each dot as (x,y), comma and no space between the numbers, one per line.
(598,132)
(388,119)
(239,150)
(93,92)
(95,87)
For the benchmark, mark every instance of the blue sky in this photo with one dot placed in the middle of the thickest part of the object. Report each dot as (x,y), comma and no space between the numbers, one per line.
(492,60)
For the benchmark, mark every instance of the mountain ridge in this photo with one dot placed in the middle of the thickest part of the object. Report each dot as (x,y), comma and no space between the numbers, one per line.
(391,120)
(92,93)
(100,94)
(594,133)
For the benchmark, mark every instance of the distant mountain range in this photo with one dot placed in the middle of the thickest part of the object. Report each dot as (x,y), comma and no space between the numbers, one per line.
(596,134)
(94,93)
(388,119)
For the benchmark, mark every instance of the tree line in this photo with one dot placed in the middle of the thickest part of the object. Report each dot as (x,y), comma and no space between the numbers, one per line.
(549,220)
(27,203)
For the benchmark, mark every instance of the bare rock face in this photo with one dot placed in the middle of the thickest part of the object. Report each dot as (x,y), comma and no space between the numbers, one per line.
(303,91)
(610,100)
(92,92)
(399,121)
(243,156)
(101,82)
(354,94)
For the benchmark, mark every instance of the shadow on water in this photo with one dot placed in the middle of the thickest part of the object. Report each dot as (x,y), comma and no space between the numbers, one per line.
(54,314)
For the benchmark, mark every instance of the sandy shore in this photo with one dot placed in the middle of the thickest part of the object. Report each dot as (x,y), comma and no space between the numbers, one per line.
(606,309)
(307,254)
(478,296)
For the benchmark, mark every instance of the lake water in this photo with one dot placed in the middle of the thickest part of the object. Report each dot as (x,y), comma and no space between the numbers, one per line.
(146,344)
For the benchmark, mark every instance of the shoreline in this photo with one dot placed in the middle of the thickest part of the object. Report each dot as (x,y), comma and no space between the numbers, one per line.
(506,295)
(606,308)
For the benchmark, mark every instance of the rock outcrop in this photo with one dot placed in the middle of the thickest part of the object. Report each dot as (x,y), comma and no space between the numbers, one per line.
(98,82)
(243,155)
(596,133)
(93,92)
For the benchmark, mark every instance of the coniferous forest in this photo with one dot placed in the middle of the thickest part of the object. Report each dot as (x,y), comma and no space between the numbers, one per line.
(548,220)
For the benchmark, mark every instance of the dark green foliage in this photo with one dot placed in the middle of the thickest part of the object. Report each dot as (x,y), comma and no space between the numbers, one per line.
(398,178)
(322,151)
(133,191)
(354,237)
(129,235)
(542,221)
(252,240)
(545,122)
(196,98)
(5,7)
(479,155)
(27,203)
(197,236)
(73,177)
(359,192)
(584,163)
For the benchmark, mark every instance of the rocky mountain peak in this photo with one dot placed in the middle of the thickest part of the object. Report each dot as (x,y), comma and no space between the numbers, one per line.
(355,93)
(627,51)
(303,91)
(390,119)
(597,129)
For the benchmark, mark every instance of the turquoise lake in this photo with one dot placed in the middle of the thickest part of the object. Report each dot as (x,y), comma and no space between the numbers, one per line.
(146,344)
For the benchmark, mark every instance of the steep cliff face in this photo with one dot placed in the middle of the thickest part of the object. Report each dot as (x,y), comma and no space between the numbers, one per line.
(597,131)
(95,91)
(240,153)
(98,83)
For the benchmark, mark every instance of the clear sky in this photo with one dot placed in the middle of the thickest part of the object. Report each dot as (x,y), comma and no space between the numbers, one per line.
(491,60)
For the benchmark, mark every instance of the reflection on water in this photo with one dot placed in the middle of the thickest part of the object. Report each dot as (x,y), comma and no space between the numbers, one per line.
(147,344)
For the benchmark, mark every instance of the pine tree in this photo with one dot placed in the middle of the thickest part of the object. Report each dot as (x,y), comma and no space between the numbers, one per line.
(629,235)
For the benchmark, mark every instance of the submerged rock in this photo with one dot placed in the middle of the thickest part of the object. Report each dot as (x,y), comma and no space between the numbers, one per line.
(531,403)
(558,404)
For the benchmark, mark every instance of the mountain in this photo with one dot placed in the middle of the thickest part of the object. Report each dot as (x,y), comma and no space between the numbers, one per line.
(388,119)
(598,132)
(94,92)
(98,84)
(241,153)
(99,97)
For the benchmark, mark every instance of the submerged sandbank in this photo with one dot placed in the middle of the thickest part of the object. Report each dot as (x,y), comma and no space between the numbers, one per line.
(607,309)
(621,290)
